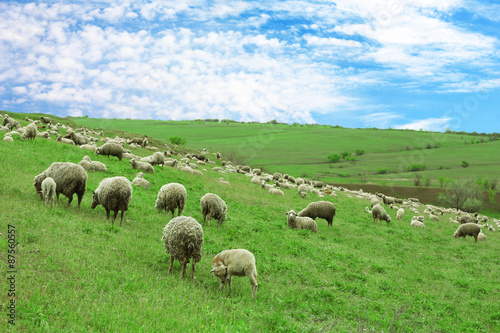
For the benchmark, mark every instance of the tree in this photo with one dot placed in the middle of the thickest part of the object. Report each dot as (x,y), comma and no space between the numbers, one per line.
(334,158)
(345,154)
(442,179)
(463,194)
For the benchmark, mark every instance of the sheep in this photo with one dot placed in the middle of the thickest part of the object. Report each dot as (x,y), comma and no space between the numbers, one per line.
(170,197)
(237,262)
(70,178)
(379,213)
(200,157)
(8,138)
(170,163)
(466,219)
(11,121)
(388,200)
(89,147)
(400,213)
(112,149)
(470,229)
(89,165)
(183,237)
(136,141)
(28,119)
(78,139)
(223,182)
(434,217)
(277,176)
(48,190)
(146,167)
(317,184)
(416,223)
(64,140)
(374,201)
(30,132)
(304,222)
(276,191)
(212,206)
(218,156)
(322,209)
(481,237)
(114,194)
(156,159)
(139,181)
(45,120)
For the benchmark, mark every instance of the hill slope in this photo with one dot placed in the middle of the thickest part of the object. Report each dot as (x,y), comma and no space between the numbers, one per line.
(77,273)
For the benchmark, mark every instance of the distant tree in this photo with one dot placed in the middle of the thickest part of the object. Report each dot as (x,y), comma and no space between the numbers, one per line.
(463,194)
(333,158)
(465,164)
(442,180)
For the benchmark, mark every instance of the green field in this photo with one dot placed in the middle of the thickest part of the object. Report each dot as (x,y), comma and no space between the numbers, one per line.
(302,150)
(77,273)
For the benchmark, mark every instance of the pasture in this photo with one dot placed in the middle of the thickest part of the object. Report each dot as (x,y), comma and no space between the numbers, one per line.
(76,272)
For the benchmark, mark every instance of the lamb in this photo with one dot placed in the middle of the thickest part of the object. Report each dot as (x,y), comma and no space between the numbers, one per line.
(48,190)
(481,237)
(297,222)
(89,165)
(30,132)
(8,138)
(400,213)
(276,191)
(139,181)
(183,237)
(212,206)
(321,209)
(156,159)
(114,194)
(170,197)
(70,178)
(78,139)
(112,149)
(146,167)
(379,213)
(468,229)
(237,262)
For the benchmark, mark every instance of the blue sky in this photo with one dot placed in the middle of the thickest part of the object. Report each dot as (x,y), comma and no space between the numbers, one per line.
(371,63)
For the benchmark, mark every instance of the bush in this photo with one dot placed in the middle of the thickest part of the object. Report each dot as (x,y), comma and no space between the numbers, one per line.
(345,154)
(416,167)
(333,158)
(382,171)
(465,164)
(176,140)
(360,152)
(417,180)
(463,194)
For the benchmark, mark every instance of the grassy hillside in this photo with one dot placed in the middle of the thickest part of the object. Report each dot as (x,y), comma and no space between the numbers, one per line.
(303,150)
(77,273)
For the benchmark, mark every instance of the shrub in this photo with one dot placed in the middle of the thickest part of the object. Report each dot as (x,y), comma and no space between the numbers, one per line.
(416,167)
(333,158)
(176,140)
(463,194)
(417,180)
(345,154)
(465,164)
(360,152)
(382,171)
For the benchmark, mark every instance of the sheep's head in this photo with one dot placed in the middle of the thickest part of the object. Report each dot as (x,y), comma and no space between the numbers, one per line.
(37,182)
(291,215)
(95,200)
(220,271)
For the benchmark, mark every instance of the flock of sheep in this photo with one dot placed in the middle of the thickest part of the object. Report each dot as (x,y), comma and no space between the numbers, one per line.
(183,236)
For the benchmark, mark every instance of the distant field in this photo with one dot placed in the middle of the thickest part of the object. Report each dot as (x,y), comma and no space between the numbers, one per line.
(302,150)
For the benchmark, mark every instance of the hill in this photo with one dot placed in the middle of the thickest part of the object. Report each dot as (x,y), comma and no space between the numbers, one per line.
(302,150)
(75,272)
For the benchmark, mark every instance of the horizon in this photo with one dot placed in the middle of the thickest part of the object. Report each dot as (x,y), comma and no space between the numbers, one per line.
(356,64)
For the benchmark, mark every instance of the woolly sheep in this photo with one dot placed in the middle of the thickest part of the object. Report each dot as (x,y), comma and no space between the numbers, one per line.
(30,132)
(400,213)
(11,121)
(322,209)
(156,159)
(78,139)
(89,147)
(416,223)
(466,219)
(8,138)
(183,237)
(139,181)
(468,229)
(434,217)
(388,200)
(48,190)
(276,191)
(481,237)
(171,163)
(317,184)
(146,167)
(70,178)
(222,181)
(379,213)
(64,140)
(113,194)
(237,262)
(170,197)
(112,149)
(277,176)
(89,165)
(218,156)
(212,206)
(45,120)
(374,201)
(297,222)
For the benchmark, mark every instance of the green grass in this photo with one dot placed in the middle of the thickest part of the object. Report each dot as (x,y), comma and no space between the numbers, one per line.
(303,150)
(76,273)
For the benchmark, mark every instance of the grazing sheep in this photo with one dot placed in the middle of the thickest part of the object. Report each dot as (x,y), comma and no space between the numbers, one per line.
(89,165)
(237,262)
(48,190)
(146,167)
(303,194)
(156,159)
(434,217)
(297,222)
(400,213)
(64,140)
(170,197)
(89,147)
(171,162)
(136,141)
(114,194)
(388,200)
(183,237)
(322,209)
(468,229)
(11,121)
(200,157)
(222,181)
(481,237)
(466,219)
(277,176)
(78,139)
(8,138)
(45,120)
(30,132)
(140,181)
(379,213)
(317,184)
(416,223)
(374,201)
(218,156)
(276,191)
(212,206)
(112,149)
(70,178)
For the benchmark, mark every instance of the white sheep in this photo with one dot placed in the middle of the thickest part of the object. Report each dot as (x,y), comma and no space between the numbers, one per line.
(140,181)
(89,165)
(146,167)
(276,191)
(223,182)
(237,262)
(30,132)
(171,196)
(481,237)
(300,222)
(415,222)
(212,206)
(322,209)
(48,190)
(379,213)
(113,194)
(400,213)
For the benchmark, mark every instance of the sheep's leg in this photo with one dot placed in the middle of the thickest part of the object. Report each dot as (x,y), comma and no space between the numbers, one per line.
(192,270)
(121,220)
(330,223)
(114,216)
(171,263)
(80,197)
(184,265)
(69,201)
(107,213)
(229,281)
(208,220)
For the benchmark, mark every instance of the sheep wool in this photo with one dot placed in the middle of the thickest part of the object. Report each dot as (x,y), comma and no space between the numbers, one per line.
(237,262)
(113,194)
(212,206)
(171,196)
(183,238)
(468,229)
(322,209)
(298,222)
(70,178)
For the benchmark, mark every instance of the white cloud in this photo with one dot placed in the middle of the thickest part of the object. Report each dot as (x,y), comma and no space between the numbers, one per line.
(380,119)
(430,124)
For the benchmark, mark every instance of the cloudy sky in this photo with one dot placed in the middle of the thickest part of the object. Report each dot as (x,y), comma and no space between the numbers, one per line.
(356,63)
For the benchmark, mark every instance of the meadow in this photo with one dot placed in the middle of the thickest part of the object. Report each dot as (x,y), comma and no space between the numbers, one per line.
(302,150)
(78,273)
